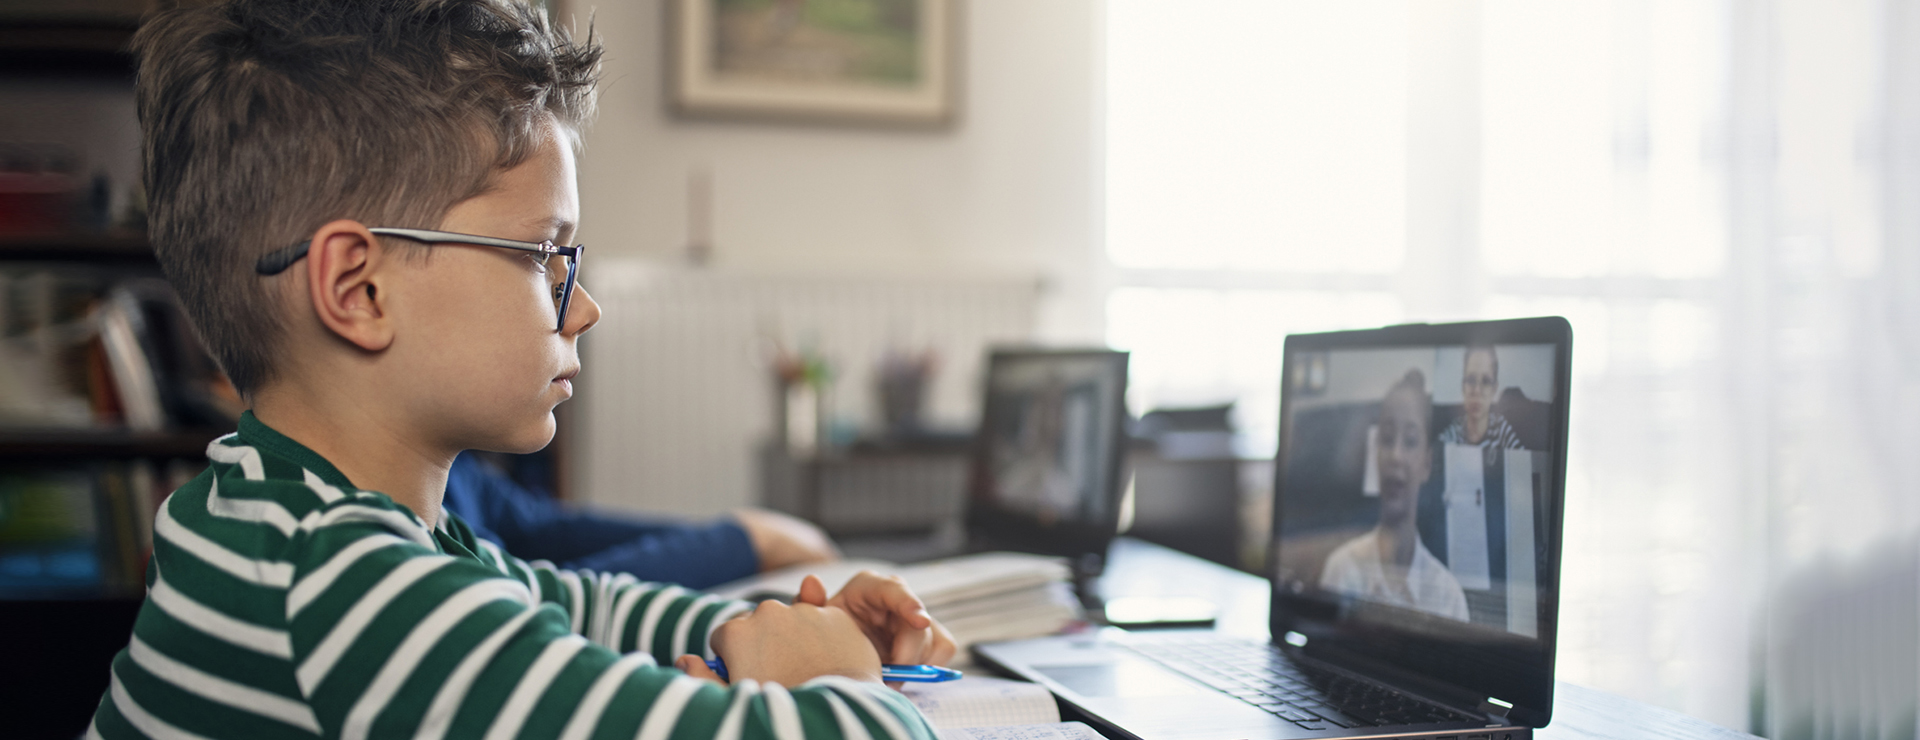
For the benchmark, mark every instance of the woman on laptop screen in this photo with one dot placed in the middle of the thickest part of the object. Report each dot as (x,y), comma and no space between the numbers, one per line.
(1389,564)
(1478,424)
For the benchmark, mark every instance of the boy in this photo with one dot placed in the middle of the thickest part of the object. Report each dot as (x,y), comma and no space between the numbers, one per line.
(309,583)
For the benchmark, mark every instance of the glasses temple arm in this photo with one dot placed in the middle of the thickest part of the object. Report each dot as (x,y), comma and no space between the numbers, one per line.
(277,261)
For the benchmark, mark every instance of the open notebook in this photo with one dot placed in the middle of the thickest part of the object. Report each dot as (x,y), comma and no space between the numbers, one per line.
(985,708)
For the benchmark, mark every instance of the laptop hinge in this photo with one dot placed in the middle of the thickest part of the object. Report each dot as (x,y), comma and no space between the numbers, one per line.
(1495,709)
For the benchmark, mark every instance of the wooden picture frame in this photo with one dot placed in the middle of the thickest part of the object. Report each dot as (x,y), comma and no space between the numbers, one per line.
(884,62)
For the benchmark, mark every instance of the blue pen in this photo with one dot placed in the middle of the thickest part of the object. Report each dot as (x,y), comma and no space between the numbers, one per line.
(917,673)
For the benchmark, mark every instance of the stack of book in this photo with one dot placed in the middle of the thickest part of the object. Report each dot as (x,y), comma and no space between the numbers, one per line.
(985,597)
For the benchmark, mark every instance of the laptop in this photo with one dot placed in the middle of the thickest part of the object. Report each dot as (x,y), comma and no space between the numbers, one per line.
(1415,561)
(1045,471)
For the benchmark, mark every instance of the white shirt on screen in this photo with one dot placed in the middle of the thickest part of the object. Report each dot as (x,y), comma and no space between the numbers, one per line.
(1355,569)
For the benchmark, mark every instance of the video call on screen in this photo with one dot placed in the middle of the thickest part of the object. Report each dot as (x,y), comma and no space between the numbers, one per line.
(1049,427)
(1411,481)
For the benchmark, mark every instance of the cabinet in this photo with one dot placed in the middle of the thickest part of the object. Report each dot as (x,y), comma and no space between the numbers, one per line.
(870,489)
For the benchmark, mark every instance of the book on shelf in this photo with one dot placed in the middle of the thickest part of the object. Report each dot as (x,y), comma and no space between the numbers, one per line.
(75,531)
(85,347)
(129,363)
(983,597)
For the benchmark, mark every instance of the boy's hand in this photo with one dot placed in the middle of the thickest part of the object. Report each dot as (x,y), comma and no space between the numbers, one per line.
(893,618)
(791,644)
(780,540)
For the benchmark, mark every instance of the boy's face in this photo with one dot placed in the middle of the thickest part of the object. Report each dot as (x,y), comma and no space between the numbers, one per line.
(486,366)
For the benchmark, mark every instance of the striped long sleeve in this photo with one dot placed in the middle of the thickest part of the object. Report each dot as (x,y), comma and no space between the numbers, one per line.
(283,603)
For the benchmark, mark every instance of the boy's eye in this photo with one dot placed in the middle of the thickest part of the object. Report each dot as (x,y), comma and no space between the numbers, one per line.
(539,260)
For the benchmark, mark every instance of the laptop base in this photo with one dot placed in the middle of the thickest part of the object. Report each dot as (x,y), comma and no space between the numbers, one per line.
(1129,696)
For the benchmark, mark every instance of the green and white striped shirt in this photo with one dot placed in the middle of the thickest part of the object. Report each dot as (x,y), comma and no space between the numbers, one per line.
(284,603)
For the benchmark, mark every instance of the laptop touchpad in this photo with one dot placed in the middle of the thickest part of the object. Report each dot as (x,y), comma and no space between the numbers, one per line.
(1125,677)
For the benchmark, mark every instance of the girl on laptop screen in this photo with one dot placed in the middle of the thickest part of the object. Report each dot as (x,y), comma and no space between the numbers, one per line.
(1389,564)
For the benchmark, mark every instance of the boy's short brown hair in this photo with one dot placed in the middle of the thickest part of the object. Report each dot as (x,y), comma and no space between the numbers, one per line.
(264,119)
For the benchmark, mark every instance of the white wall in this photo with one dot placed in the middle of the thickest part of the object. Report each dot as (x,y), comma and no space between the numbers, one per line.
(678,395)
(1009,189)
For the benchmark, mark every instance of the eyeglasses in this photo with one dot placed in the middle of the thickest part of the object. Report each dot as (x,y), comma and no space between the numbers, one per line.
(276,262)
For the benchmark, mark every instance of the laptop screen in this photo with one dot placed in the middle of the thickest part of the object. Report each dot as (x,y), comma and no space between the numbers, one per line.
(1046,465)
(1417,497)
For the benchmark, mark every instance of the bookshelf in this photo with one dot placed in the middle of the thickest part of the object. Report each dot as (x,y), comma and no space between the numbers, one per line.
(16,445)
(67,44)
(87,456)
(73,529)
(94,249)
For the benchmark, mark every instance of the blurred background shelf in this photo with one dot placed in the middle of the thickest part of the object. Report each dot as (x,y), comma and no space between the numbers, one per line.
(16,444)
(76,502)
(109,248)
(65,46)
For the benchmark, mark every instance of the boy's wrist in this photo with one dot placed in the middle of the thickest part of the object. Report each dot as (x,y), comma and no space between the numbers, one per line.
(862,676)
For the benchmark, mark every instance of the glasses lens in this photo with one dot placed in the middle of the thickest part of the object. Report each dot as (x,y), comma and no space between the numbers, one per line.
(563,292)
(558,272)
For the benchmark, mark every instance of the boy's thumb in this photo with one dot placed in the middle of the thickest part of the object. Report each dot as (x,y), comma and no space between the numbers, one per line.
(812,591)
(697,668)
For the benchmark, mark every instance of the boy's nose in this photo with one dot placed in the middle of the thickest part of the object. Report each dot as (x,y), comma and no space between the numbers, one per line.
(583,314)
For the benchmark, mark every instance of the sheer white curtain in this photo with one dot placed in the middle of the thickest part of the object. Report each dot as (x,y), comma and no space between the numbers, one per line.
(1723,196)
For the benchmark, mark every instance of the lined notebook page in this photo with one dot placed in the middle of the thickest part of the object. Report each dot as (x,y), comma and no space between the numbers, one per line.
(1056,731)
(984,701)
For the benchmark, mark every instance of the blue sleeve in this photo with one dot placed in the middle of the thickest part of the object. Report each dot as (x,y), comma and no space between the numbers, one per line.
(534,527)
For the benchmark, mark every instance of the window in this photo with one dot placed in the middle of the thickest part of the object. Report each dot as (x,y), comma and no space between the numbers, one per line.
(1695,185)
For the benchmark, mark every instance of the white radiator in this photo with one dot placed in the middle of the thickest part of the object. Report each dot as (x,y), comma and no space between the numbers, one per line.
(677,386)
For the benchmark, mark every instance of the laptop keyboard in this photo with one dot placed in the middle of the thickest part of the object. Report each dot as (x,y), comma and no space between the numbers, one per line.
(1261,675)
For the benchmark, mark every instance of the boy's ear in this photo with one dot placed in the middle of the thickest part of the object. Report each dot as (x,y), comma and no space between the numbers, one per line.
(344,282)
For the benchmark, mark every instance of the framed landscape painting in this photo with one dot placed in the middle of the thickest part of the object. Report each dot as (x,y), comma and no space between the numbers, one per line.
(855,61)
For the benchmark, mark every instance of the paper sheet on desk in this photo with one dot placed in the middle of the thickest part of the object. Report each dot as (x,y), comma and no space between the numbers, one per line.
(1466,504)
(983,701)
(1056,731)
(987,708)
